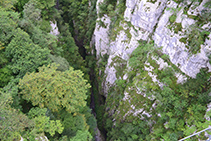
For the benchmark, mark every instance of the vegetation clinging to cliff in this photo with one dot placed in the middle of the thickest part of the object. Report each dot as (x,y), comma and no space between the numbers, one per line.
(178,109)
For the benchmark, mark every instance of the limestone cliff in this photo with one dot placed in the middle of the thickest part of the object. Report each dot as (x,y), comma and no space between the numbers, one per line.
(150,20)
(179,29)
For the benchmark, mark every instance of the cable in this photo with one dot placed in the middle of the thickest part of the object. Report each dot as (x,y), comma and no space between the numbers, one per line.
(197,134)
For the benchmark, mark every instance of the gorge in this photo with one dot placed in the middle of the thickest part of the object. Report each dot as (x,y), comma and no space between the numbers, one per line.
(116,70)
(152,51)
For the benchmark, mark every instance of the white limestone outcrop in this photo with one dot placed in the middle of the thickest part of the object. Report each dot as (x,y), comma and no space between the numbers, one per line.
(55,30)
(150,21)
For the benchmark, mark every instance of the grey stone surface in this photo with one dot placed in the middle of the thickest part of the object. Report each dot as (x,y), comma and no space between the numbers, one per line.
(150,21)
(55,30)
(152,18)
(178,53)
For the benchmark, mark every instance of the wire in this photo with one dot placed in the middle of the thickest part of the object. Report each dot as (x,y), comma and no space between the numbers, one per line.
(196,134)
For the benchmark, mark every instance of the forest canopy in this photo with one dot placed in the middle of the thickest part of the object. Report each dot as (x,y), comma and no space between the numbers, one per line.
(43,89)
(54,86)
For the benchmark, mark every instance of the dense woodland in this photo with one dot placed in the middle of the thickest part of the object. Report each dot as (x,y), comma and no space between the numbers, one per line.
(48,83)
(44,88)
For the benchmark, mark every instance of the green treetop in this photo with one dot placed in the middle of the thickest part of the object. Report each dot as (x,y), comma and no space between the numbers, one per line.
(54,89)
(24,54)
(7,4)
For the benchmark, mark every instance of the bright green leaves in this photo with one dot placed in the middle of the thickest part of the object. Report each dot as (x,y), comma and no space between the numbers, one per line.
(45,4)
(5,76)
(25,55)
(54,89)
(42,123)
(38,28)
(82,136)
(32,24)
(73,123)
(39,8)
(43,95)
(15,124)
(8,24)
(19,5)
(139,56)
(12,121)
(7,4)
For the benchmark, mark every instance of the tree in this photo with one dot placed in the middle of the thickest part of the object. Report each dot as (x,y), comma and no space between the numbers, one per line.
(5,76)
(54,89)
(19,6)
(176,110)
(63,64)
(81,16)
(73,123)
(8,24)
(31,12)
(42,123)
(70,50)
(12,121)
(15,124)
(38,28)
(7,4)
(82,135)
(25,55)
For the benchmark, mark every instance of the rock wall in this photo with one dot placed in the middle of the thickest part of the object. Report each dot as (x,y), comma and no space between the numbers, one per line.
(178,30)
(150,20)
(54,30)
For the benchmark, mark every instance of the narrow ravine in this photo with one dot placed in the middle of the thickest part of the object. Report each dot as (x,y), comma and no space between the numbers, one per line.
(82,32)
(96,100)
(95,103)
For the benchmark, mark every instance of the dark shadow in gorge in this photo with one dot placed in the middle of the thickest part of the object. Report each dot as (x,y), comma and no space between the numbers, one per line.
(97,102)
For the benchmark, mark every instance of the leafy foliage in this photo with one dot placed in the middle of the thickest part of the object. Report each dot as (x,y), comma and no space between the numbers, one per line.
(73,123)
(55,89)
(13,123)
(115,10)
(43,123)
(139,56)
(8,24)
(7,4)
(33,23)
(172,18)
(5,76)
(26,45)
(70,50)
(82,135)
(62,62)
(178,110)
(81,16)
(25,56)
(19,6)
(32,12)
(195,38)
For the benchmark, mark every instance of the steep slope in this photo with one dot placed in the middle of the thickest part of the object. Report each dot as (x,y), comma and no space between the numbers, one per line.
(157,56)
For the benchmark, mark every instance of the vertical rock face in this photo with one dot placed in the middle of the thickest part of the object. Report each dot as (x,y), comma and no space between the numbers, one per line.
(102,38)
(55,30)
(143,14)
(165,22)
(169,39)
(178,30)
